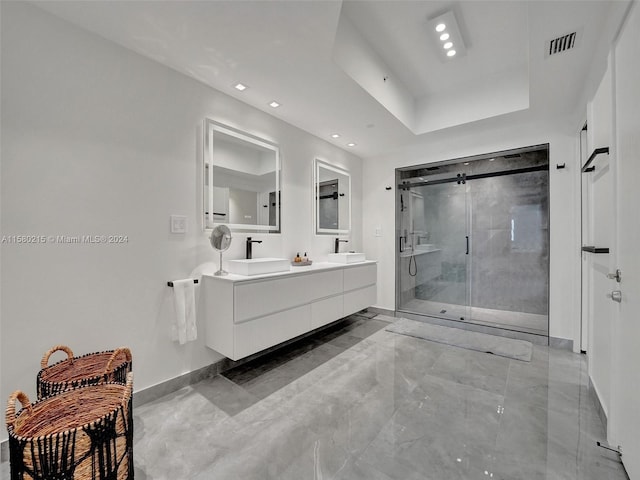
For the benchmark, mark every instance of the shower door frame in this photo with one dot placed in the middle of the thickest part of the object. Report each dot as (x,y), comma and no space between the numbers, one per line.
(469,323)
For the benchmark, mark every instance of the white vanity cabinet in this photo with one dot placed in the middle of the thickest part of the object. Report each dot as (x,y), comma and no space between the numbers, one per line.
(244,315)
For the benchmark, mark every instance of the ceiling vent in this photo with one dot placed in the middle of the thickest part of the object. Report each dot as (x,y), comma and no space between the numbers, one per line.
(562,43)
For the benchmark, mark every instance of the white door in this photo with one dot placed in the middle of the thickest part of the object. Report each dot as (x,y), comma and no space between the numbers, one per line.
(625,405)
(598,180)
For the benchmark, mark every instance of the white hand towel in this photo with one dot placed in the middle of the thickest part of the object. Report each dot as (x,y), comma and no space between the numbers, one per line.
(184,326)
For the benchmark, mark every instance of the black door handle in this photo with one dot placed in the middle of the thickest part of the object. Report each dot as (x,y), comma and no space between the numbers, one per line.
(467,237)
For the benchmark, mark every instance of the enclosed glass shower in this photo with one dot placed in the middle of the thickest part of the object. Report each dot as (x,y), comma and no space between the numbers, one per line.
(473,241)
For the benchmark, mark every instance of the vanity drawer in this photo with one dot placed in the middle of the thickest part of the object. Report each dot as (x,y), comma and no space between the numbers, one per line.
(326,311)
(324,284)
(358,277)
(260,298)
(264,332)
(357,300)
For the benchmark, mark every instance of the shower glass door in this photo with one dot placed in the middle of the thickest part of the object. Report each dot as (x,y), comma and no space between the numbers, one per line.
(434,250)
(473,241)
(509,261)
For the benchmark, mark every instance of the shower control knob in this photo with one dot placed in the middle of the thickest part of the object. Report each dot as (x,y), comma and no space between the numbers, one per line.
(616,296)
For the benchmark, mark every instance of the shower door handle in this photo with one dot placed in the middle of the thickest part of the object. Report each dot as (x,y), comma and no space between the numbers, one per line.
(401,242)
(467,252)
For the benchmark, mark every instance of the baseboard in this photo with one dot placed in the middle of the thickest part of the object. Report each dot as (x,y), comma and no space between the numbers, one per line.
(596,399)
(561,343)
(166,387)
(382,311)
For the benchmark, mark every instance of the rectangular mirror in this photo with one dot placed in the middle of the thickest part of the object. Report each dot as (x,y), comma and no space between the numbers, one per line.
(241,180)
(332,194)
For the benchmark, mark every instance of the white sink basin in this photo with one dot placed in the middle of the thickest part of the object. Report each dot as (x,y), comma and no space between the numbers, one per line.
(346,257)
(257,266)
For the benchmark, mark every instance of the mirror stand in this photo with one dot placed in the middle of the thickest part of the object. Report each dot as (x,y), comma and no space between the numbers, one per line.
(221,272)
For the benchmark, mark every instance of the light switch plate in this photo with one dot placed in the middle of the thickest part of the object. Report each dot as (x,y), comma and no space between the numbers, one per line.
(378,231)
(178,224)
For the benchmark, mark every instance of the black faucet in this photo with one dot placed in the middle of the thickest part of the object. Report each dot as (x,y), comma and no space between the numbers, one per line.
(337,245)
(249,242)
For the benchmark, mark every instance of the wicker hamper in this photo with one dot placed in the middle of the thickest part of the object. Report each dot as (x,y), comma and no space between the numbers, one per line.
(83,433)
(89,369)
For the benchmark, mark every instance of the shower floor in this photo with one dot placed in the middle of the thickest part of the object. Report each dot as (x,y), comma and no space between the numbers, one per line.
(522,322)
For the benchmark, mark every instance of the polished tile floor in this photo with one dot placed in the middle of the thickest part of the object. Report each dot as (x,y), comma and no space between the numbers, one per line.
(356,402)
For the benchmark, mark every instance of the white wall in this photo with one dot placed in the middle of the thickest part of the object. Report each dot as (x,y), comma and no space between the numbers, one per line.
(480,138)
(99,140)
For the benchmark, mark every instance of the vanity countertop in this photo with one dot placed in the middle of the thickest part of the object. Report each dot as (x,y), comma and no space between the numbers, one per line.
(315,267)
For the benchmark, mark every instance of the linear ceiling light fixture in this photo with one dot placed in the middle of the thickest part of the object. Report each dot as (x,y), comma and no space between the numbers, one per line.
(446,34)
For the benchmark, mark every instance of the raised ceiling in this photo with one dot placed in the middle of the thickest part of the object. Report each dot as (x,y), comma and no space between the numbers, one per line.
(366,69)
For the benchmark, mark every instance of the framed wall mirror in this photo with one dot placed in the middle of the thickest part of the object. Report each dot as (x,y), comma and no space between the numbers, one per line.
(332,199)
(241,180)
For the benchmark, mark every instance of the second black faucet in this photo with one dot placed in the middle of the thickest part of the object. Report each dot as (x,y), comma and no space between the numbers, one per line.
(337,245)
(248,249)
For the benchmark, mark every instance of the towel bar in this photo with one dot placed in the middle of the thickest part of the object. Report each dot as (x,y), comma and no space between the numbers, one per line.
(586,168)
(170,284)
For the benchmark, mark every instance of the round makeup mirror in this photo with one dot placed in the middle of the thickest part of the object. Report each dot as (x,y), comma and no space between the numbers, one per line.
(220,241)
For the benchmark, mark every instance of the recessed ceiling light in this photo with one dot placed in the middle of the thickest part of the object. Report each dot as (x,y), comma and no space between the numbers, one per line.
(466,163)
(335,135)
(451,53)
(448,45)
(274,104)
(351,144)
(440,27)
(491,159)
(444,36)
(240,86)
